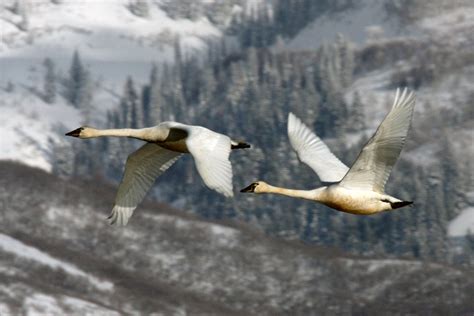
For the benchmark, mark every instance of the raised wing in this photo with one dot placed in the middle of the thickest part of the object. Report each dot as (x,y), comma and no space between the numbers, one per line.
(141,170)
(375,162)
(312,151)
(211,152)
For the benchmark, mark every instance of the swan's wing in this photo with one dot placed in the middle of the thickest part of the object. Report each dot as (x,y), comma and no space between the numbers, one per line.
(375,162)
(312,151)
(211,152)
(141,170)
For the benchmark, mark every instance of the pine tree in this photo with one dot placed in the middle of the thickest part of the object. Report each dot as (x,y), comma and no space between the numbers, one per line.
(49,87)
(10,87)
(450,176)
(62,158)
(19,8)
(346,55)
(129,105)
(153,114)
(78,90)
(139,8)
(356,117)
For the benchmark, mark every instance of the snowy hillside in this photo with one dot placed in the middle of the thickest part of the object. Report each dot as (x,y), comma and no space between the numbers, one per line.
(29,126)
(114,39)
(59,255)
(103,30)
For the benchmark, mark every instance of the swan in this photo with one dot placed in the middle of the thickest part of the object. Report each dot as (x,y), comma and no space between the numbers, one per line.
(166,143)
(360,189)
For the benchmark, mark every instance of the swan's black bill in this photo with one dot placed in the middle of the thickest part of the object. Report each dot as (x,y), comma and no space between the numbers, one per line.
(75,133)
(395,205)
(249,189)
(240,145)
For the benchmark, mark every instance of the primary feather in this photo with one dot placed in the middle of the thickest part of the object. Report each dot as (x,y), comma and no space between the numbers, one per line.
(141,170)
(312,151)
(372,167)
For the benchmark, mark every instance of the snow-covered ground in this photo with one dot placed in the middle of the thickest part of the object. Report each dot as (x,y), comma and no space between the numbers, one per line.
(12,245)
(44,304)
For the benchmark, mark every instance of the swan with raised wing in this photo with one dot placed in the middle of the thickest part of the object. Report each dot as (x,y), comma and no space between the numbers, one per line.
(360,189)
(166,143)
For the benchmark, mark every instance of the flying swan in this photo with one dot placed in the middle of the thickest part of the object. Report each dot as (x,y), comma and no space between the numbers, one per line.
(360,189)
(166,143)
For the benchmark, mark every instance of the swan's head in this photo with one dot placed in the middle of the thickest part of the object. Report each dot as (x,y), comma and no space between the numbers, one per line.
(255,187)
(83,132)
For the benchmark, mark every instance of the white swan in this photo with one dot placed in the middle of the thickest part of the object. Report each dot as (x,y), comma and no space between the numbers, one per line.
(166,142)
(360,189)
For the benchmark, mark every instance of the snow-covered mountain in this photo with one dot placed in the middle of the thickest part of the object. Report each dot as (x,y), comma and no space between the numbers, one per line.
(115,39)
(58,256)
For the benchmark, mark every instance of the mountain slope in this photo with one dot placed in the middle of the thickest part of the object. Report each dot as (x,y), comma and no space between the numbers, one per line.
(114,40)
(166,261)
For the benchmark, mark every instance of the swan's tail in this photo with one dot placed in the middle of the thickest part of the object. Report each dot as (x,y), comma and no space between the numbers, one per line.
(238,145)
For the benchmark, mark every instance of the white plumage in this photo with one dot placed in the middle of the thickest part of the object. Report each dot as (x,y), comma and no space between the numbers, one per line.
(360,189)
(312,151)
(372,167)
(166,142)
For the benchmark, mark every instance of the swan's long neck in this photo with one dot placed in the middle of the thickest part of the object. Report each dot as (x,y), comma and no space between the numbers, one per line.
(145,134)
(313,195)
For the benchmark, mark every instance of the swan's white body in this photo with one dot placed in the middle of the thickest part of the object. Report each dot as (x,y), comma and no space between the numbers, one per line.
(360,189)
(166,143)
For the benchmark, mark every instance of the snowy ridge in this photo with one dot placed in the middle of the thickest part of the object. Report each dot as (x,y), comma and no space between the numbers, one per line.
(106,29)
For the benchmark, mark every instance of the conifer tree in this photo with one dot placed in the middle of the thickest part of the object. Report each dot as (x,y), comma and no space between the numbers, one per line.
(140,8)
(129,105)
(78,90)
(49,81)
(356,116)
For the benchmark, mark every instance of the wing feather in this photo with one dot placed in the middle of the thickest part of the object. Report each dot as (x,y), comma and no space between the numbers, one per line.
(141,170)
(372,167)
(211,151)
(313,151)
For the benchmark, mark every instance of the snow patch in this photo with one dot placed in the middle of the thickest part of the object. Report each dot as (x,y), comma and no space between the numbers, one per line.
(355,24)
(224,236)
(457,20)
(29,127)
(223,231)
(5,310)
(85,307)
(20,249)
(463,224)
(42,304)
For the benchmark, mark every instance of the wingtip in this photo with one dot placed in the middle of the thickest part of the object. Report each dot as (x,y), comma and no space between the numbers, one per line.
(292,121)
(406,97)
